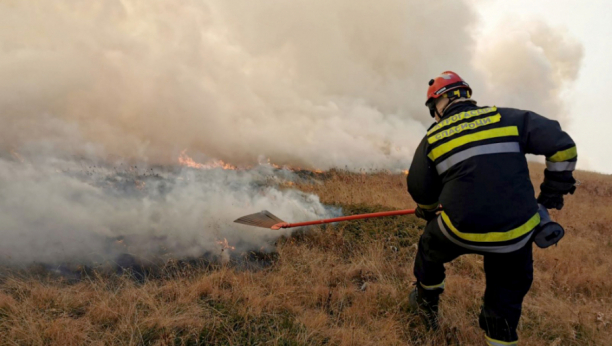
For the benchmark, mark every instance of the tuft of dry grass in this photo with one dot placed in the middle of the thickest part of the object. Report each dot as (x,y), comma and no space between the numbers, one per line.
(336,285)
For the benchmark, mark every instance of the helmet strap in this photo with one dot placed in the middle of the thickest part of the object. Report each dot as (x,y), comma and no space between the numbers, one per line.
(438,113)
(459,95)
(454,96)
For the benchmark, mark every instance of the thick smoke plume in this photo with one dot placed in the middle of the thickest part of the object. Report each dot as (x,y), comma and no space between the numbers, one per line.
(56,211)
(313,84)
(529,66)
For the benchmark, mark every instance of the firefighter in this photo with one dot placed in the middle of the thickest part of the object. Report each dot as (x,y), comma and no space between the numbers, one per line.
(472,163)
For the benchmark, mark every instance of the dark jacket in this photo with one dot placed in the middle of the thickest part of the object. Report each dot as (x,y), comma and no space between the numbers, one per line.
(473,163)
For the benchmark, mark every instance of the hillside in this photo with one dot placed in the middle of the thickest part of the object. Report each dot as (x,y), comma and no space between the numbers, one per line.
(337,285)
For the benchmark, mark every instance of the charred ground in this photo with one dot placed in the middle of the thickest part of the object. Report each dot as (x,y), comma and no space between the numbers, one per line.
(339,285)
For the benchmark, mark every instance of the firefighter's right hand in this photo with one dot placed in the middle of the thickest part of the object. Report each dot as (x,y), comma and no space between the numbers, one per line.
(551,200)
(425,214)
(552,191)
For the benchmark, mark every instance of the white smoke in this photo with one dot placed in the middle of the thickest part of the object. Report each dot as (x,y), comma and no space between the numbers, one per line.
(315,84)
(529,65)
(87,213)
(306,83)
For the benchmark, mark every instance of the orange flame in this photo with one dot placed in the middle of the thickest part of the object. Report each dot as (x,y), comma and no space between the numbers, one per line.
(16,155)
(225,245)
(140,184)
(269,163)
(185,160)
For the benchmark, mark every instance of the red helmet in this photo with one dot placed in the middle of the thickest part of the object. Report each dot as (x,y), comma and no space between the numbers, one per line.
(444,83)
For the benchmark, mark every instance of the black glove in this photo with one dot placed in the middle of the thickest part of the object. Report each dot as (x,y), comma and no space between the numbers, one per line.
(551,192)
(551,200)
(425,214)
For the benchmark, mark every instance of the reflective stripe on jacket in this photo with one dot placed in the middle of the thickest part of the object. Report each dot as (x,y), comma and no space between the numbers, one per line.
(473,163)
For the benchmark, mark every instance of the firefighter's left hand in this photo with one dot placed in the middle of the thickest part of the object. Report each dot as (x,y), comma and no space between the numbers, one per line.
(425,214)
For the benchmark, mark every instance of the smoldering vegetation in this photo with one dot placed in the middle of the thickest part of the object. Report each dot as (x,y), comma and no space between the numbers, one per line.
(341,285)
(61,214)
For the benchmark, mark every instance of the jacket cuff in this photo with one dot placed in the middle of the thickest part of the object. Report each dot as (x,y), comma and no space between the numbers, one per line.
(429,207)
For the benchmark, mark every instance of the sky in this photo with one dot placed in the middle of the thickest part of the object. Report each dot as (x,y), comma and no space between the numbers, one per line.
(589,122)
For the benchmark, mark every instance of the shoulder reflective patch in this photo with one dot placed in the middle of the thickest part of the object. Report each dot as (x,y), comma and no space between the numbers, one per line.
(465,126)
(460,116)
(564,155)
(474,137)
(492,237)
(496,148)
(561,166)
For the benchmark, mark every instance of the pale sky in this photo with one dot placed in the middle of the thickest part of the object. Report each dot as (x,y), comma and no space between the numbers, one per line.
(589,99)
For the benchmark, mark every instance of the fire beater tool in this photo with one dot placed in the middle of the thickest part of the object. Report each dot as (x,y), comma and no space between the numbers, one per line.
(546,234)
(266,219)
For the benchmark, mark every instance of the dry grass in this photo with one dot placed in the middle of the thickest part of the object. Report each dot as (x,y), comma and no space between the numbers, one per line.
(344,285)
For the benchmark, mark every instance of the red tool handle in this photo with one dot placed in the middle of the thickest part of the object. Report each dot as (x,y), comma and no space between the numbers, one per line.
(344,218)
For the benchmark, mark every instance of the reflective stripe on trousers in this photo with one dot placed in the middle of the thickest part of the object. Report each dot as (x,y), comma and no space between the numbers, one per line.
(494,249)
(433,287)
(493,342)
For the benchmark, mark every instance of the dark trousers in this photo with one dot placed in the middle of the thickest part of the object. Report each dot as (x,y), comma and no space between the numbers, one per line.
(508,277)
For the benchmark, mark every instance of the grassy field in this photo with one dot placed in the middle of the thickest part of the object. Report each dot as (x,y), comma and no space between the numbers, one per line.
(342,285)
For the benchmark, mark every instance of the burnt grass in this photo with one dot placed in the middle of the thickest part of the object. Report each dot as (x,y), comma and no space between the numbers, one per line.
(341,284)
(278,327)
(399,232)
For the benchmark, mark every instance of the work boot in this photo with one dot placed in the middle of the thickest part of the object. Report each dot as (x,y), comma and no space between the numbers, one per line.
(497,329)
(424,303)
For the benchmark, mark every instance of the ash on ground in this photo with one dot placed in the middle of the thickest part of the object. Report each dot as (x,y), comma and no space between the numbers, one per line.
(71,217)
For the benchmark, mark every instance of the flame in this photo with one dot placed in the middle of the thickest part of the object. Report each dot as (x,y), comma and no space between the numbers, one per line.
(17,156)
(185,160)
(405,172)
(272,164)
(294,169)
(225,245)
(140,184)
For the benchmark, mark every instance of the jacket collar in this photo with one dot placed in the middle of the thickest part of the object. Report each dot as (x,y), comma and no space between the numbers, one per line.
(459,107)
